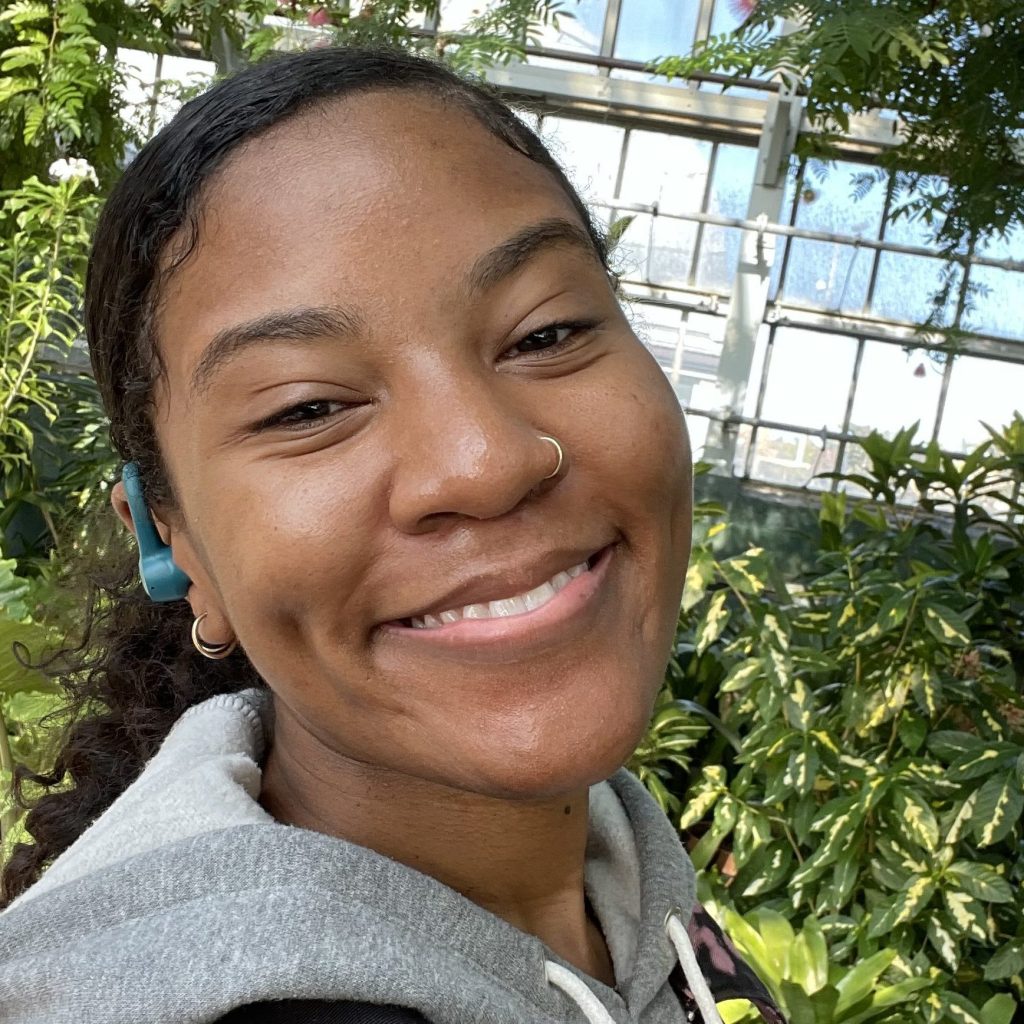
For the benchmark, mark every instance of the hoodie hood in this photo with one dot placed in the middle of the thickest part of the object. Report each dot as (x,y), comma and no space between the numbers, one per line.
(186,899)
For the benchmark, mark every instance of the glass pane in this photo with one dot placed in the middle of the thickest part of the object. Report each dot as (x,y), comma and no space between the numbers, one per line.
(697,380)
(913,229)
(730,14)
(1004,247)
(697,427)
(896,388)
(905,286)
(588,151)
(809,378)
(995,302)
(828,201)
(579,28)
(856,461)
(655,28)
(979,389)
(828,276)
(739,463)
(660,329)
(667,169)
(731,183)
(792,459)
(657,249)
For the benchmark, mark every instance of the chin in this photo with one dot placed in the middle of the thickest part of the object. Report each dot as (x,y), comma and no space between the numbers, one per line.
(562,758)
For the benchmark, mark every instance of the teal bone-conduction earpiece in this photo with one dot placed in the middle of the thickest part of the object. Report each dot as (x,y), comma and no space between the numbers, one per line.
(162,579)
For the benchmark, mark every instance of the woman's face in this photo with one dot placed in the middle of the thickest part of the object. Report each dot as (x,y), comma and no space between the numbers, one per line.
(386,307)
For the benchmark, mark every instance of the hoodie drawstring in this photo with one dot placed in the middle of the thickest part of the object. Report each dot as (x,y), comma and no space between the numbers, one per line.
(691,969)
(594,1010)
(579,992)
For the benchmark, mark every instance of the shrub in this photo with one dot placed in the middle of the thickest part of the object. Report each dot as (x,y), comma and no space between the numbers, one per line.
(867,764)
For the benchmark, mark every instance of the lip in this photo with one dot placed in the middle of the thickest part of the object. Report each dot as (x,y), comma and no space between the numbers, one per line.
(498,584)
(542,625)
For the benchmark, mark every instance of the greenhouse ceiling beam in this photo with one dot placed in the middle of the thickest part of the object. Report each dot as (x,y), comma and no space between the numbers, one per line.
(662,105)
(795,231)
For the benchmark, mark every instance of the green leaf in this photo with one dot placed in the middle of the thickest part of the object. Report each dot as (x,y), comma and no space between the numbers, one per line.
(742,675)
(713,622)
(975,765)
(967,914)
(944,941)
(981,881)
(859,983)
(903,907)
(1006,962)
(1000,1009)
(949,745)
(778,936)
(998,809)
(916,818)
(807,963)
(946,625)
(766,869)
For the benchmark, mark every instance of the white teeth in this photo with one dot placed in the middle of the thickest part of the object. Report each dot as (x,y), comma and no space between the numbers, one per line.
(540,595)
(505,606)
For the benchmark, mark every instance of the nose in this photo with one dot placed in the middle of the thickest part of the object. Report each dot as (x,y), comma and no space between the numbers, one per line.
(466,450)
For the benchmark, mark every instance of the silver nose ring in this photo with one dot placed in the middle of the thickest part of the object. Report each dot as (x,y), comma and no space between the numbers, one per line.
(561,456)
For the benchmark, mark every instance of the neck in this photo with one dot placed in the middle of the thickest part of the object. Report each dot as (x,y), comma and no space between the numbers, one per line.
(522,860)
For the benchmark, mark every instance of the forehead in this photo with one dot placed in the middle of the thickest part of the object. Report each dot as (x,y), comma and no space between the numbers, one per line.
(379,200)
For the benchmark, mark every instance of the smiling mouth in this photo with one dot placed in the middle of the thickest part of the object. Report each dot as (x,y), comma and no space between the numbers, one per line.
(506,607)
(515,606)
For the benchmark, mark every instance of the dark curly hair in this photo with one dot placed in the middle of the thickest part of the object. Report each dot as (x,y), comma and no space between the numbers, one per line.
(133,671)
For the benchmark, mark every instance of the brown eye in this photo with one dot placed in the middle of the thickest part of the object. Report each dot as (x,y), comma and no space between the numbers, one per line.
(550,338)
(305,414)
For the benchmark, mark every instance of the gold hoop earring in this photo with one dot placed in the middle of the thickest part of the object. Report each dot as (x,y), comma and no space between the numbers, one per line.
(213,651)
(558,448)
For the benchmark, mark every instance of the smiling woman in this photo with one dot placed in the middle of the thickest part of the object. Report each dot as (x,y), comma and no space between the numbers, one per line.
(351,747)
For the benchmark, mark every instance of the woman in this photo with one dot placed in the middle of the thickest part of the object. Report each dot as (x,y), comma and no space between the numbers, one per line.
(422,517)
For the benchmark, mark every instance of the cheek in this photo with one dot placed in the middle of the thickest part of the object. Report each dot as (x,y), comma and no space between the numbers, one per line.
(291,550)
(645,446)
(649,473)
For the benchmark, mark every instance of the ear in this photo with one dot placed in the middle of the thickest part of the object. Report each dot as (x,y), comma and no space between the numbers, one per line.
(119,501)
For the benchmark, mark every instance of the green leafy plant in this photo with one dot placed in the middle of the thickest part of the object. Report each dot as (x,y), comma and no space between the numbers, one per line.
(42,398)
(876,707)
(939,66)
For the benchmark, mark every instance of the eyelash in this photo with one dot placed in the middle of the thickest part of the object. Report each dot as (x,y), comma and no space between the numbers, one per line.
(281,419)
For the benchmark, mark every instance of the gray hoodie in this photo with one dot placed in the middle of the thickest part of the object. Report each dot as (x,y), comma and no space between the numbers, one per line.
(186,899)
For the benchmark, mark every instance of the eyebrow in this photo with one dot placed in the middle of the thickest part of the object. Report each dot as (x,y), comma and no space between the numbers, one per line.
(284,325)
(317,322)
(505,259)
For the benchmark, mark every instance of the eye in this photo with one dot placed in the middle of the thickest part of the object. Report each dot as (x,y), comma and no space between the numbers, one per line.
(304,414)
(551,338)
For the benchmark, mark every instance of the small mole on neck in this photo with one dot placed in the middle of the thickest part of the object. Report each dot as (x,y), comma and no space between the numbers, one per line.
(568,809)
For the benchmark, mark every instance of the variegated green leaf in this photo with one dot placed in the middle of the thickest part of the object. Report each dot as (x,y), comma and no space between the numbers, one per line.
(998,809)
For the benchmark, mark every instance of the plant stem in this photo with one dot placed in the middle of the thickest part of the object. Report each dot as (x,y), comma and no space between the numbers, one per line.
(36,337)
(9,816)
